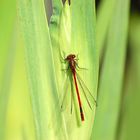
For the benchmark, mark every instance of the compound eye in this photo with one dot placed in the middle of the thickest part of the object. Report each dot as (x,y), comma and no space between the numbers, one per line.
(73,56)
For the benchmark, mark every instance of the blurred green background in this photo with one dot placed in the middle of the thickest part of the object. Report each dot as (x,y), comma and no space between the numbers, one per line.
(16,115)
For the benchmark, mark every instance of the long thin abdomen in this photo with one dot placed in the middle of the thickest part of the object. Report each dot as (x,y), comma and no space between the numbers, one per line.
(78,96)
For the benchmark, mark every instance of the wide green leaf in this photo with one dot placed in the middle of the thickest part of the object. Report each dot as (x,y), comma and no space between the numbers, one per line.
(7,51)
(104,15)
(111,79)
(130,124)
(73,32)
(38,54)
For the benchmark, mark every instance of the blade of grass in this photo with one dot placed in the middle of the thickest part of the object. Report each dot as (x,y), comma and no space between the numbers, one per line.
(58,23)
(110,85)
(76,35)
(54,34)
(130,126)
(39,62)
(83,44)
(58,18)
(104,16)
(19,113)
(7,20)
(5,88)
(7,50)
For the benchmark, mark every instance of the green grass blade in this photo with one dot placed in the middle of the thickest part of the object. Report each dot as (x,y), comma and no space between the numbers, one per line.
(110,86)
(5,88)
(40,69)
(104,15)
(55,31)
(75,33)
(19,114)
(130,124)
(83,42)
(7,21)
(7,50)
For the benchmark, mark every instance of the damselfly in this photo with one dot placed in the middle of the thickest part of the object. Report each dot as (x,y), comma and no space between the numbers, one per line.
(77,81)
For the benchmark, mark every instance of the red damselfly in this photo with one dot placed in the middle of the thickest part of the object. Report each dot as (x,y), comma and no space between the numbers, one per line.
(77,81)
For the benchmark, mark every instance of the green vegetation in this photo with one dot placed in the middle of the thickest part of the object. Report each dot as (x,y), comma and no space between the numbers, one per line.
(33,80)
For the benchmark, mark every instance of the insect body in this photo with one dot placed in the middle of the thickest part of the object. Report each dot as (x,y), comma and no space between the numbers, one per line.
(72,65)
(77,81)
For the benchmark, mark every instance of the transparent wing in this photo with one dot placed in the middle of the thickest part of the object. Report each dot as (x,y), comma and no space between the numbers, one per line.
(91,101)
(71,99)
(64,97)
(67,96)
